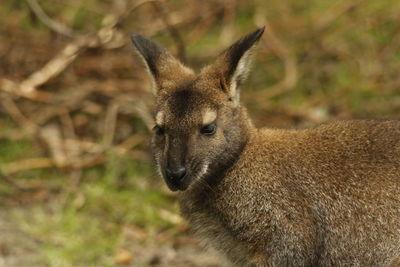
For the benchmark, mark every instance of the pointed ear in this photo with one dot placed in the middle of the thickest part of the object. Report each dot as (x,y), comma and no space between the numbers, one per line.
(166,71)
(234,63)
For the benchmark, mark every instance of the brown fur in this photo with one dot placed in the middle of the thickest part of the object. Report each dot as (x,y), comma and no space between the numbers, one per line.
(327,196)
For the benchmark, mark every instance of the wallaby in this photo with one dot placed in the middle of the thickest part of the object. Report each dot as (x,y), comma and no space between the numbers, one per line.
(326,196)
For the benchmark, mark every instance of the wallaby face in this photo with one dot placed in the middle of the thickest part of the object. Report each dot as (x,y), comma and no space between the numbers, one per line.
(199,122)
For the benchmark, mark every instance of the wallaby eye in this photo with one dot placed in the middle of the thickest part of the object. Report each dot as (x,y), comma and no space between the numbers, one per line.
(209,129)
(158,130)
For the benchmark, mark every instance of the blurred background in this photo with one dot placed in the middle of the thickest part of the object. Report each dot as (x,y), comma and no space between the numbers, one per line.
(77,183)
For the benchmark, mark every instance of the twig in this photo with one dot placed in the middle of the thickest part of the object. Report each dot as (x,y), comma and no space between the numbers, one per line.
(11,107)
(21,90)
(72,152)
(55,26)
(138,107)
(75,178)
(228,29)
(71,103)
(337,9)
(28,164)
(11,181)
(173,31)
(110,122)
(57,64)
(51,135)
(28,87)
(201,28)
(95,157)
(282,51)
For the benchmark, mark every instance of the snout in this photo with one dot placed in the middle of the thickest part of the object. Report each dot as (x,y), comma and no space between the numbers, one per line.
(176,178)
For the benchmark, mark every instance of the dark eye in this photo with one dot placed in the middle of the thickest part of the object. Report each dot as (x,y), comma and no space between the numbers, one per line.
(209,129)
(158,130)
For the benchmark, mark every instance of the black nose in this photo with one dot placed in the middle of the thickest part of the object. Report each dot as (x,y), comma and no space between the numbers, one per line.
(176,175)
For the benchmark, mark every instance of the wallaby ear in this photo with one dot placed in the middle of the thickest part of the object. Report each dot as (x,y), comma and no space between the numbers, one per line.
(234,63)
(166,71)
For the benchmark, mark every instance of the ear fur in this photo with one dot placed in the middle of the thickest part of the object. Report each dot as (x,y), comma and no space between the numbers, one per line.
(166,71)
(148,50)
(234,63)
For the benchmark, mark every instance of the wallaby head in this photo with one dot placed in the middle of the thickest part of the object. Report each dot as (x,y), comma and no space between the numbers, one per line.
(200,126)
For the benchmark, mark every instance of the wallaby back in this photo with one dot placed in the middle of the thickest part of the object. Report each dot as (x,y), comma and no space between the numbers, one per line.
(327,196)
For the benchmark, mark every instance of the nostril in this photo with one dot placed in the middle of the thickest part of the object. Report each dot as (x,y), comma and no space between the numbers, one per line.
(181,173)
(176,174)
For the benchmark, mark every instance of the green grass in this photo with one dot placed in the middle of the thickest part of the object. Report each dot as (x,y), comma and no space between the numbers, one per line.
(87,228)
(14,150)
(84,228)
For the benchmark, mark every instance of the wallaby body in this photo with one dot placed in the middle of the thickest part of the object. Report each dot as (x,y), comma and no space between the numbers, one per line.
(327,196)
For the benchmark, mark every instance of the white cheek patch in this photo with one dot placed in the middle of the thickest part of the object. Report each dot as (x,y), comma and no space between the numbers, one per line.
(204,170)
(160,118)
(209,116)
(199,176)
(157,158)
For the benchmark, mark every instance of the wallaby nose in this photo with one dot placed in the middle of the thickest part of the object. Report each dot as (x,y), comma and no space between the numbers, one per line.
(176,175)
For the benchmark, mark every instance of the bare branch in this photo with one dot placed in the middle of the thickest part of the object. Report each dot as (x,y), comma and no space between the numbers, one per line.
(283,52)
(55,26)
(173,31)
(12,109)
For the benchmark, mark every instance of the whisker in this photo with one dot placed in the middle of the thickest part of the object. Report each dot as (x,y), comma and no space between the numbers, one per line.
(205,183)
(200,174)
